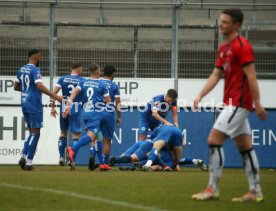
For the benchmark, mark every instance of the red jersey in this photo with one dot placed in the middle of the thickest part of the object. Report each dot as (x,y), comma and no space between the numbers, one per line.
(232,57)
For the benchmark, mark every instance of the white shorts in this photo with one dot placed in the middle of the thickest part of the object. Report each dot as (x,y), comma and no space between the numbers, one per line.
(233,121)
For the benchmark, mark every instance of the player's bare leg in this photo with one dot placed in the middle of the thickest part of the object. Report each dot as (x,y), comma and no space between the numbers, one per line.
(215,141)
(251,166)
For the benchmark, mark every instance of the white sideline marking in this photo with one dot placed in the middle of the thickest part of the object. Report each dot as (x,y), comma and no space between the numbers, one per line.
(81,196)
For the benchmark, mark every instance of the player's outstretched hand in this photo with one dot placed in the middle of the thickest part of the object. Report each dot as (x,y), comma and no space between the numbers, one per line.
(54,112)
(66,112)
(196,102)
(260,111)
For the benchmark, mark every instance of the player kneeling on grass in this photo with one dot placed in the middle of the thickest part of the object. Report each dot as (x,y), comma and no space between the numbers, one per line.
(170,137)
(95,96)
(166,155)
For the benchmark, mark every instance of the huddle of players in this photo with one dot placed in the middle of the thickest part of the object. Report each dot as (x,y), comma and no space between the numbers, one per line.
(92,100)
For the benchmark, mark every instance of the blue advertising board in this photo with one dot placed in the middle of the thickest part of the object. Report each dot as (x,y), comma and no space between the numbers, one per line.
(196,126)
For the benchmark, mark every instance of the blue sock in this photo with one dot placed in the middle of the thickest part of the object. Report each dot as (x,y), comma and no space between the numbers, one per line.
(92,151)
(153,154)
(123,159)
(82,142)
(32,145)
(99,151)
(106,157)
(26,146)
(75,141)
(159,161)
(185,161)
(143,162)
(62,142)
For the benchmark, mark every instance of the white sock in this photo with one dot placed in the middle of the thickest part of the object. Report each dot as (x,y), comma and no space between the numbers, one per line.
(195,162)
(24,156)
(251,166)
(216,165)
(148,163)
(29,162)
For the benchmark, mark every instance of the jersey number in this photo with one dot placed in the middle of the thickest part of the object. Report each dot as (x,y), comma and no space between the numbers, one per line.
(25,81)
(89,93)
(71,87)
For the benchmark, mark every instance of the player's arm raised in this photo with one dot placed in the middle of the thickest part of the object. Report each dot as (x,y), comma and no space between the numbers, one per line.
(210,84)
(250,73)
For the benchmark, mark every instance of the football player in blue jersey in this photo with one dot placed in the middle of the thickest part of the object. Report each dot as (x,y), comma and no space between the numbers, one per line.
(156,111)
(108,119)
(67,83)
(29,83)
(94,97)
(166,136)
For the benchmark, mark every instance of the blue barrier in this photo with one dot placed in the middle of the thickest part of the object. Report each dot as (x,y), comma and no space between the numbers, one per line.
(197,125)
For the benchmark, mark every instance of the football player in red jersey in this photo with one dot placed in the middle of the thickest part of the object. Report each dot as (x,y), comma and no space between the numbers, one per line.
(235,61)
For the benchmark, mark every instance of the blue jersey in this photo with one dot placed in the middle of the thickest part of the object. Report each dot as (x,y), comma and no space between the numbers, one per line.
(158,103)
(67,83)
(92,94)
(113,92)
(31,99)
(169,134)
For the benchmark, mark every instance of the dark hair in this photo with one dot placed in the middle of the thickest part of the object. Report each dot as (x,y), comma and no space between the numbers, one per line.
(172,93)
(109,70)
(75,65)
(235,14)
(93,67)
(33,52)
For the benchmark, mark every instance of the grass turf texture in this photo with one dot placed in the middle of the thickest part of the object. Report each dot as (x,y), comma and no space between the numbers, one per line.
(159,190)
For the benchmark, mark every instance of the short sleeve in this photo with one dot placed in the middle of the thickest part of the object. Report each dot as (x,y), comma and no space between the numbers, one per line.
(245,54)
(218,61)
(59,82)
(80,85)
(117,91)
(174,106)
(36,73)
(105,90)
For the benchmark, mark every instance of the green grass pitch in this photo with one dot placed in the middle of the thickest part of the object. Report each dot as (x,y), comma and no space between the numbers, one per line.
(57,188)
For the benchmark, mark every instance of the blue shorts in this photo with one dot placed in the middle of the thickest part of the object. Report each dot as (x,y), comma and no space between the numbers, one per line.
(146,123)
(72,122)
(107,125)
(92,122)
(140,149)
(169,134)
(33,120)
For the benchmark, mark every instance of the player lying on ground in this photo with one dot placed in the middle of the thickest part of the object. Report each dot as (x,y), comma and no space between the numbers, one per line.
(140,151)
(108,120)
(156,111)
(236,62)
(94,96)
(29,83)
(73,122)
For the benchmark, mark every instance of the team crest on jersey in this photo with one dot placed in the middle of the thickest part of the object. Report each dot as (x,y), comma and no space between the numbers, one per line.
(143,128)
